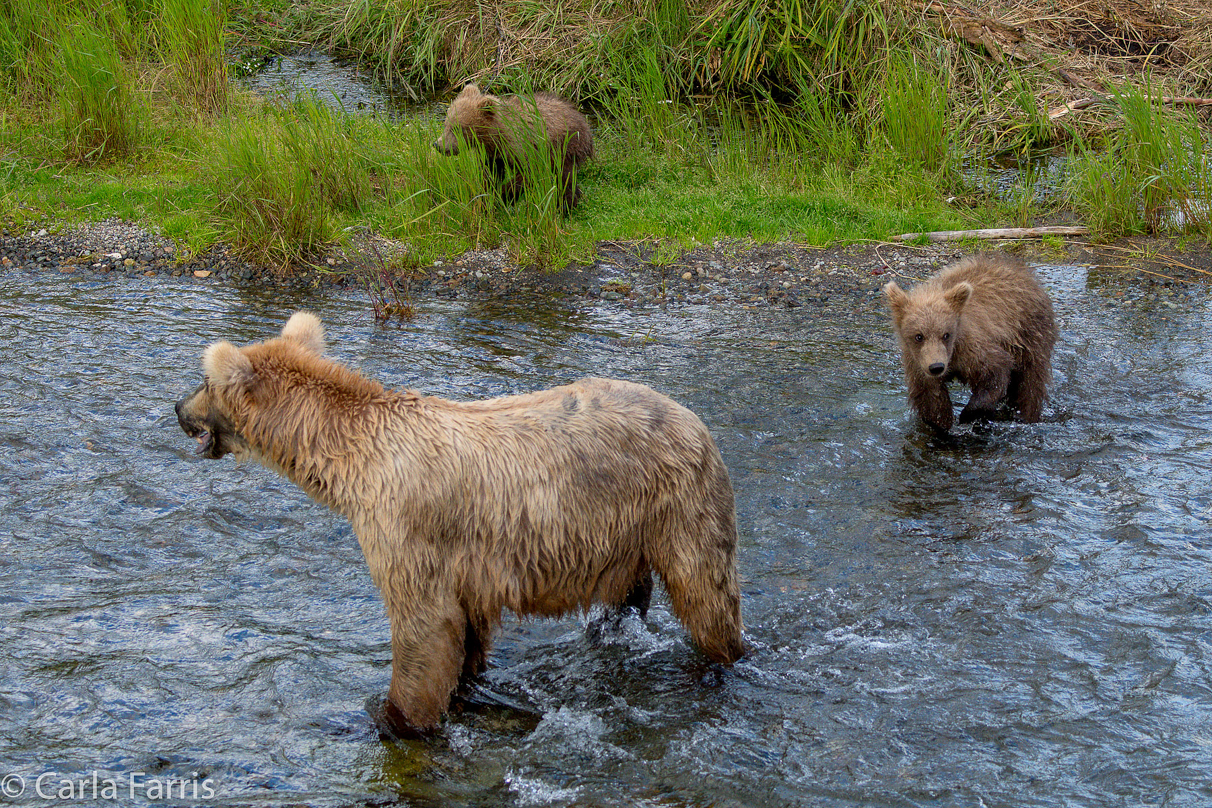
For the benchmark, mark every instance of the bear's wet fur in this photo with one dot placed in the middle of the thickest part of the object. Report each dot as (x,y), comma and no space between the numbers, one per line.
(543,503)
(510,128)
(985,321)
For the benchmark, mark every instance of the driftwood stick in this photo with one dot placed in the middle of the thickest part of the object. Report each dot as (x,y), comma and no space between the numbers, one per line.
(1175,100)
(1072,106)
(997,232)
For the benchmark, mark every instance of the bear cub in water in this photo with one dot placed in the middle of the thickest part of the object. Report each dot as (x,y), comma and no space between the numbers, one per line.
(985,321)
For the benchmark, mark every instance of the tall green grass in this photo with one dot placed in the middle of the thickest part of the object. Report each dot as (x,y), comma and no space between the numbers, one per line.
(191,33)
(283,179)
(916,114)
(29,30)
(836,46)
(100,115)
(1150,174)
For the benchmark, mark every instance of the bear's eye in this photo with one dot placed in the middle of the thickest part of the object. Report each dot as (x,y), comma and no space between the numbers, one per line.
(946,336)
(918,338)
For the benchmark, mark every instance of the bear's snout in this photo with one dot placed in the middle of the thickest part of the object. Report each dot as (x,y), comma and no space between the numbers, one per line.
(449,151)
(937,368)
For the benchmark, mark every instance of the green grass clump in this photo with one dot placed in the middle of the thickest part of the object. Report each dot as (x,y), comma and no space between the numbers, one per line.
(28,31)
(191,33)
(100,115)
(915,114)
(1153,172)
(283,178)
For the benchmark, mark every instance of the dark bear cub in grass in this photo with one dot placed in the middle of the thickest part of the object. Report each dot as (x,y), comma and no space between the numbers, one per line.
(542,504)
(984,321)
(514,131)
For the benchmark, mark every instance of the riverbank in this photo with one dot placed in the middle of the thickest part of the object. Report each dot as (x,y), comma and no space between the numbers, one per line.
(782,275)
(927,119)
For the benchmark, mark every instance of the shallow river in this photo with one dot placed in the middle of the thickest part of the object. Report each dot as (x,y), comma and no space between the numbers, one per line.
(1015,616)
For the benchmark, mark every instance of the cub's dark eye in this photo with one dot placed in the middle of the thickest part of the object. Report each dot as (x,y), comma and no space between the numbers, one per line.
(918,338)
(946,336)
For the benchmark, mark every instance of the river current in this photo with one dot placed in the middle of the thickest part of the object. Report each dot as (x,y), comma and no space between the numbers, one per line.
(1015,615)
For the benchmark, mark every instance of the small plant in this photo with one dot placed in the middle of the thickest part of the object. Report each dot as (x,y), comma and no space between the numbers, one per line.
(387,300)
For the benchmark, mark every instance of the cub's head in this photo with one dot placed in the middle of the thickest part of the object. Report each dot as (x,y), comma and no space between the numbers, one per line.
(927,321)
(217,413)
(471,111)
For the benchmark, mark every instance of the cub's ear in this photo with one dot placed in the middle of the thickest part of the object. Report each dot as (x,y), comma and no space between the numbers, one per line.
(897,299)
(304,328)
(958,295)
(225,365)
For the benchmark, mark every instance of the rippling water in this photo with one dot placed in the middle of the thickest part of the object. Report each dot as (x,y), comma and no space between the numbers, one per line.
(1012,616)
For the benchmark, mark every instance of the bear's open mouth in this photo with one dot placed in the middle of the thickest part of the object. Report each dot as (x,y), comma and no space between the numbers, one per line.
(205,441)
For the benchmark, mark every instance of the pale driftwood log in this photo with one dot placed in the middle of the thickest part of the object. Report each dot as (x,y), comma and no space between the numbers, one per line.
(1176,101)
(997,232)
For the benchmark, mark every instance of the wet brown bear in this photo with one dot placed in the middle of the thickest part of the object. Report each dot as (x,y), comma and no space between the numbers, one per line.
(541,503)
(984,321)
(510,129)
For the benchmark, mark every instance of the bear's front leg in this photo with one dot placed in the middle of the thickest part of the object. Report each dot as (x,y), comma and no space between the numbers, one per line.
(932,402)
(427,647)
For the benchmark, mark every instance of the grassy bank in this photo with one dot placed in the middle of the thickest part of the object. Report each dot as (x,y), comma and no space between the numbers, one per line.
(808,120)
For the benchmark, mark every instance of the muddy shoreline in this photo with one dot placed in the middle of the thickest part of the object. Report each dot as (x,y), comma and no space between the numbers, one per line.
(784,275)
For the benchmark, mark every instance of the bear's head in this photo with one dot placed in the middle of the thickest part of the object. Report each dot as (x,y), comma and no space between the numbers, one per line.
(470,112)
(217,413)
(927,321)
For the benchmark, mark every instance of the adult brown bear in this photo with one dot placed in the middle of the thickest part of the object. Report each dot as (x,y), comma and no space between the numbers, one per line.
(515,131)
(541,503)
(984,321)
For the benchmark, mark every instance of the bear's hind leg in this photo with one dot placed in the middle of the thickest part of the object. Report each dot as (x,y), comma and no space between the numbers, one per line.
(1029,396)
(710,608)
(698,568)
(640,596)
(477,638)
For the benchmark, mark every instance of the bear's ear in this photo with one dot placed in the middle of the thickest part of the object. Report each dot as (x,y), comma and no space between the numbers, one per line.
(226,365)
(304,328)
(897,299)
(958,295)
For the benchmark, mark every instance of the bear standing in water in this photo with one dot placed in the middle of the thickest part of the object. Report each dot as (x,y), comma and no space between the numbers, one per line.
(509,128)
(542,504)
(984,321)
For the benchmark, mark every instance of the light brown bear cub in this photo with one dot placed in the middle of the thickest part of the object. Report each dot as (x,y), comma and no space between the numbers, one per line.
(541,503)
(984,321)
(509,128)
